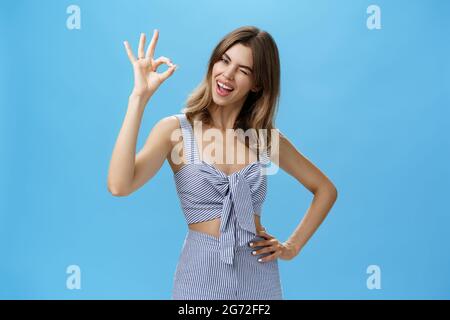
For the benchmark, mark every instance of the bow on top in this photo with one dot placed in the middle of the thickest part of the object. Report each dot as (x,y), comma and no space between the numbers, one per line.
(237,210)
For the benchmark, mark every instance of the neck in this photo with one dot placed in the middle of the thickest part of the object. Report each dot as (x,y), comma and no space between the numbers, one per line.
(224,117)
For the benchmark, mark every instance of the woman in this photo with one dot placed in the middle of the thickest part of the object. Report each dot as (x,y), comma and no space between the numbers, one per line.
(227,253)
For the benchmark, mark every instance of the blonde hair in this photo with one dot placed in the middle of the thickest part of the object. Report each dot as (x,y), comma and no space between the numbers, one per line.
(259,109)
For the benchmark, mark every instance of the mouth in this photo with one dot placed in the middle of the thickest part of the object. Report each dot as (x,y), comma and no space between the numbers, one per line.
(222,89)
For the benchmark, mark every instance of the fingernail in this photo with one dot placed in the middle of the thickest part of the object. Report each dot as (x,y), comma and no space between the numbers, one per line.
(253,252)
(251,244)
(260,260)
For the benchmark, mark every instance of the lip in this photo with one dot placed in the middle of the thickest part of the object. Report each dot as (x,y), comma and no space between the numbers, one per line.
(226,83)
(220,93)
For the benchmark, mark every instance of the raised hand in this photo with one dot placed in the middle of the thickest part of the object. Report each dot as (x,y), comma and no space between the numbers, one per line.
(146,79)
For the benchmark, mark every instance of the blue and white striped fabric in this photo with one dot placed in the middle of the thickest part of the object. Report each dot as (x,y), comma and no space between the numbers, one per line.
(207,193)
(202,275)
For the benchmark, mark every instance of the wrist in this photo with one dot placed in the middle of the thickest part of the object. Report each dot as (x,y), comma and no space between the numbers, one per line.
(293,246)
(137,103)
(138,99)
(140,96)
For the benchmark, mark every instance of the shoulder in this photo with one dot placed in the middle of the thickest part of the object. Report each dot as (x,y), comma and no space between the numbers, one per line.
(279,144)
(277,136)
(169,122)
(279,133)
(166,129)
(282,138)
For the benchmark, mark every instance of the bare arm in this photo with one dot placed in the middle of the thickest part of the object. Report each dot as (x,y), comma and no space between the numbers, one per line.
(325,193)
(128,171)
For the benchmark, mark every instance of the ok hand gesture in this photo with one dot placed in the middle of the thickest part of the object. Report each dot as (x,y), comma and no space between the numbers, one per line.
(146,79)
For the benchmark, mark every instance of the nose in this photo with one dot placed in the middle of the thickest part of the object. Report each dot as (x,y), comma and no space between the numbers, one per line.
(228,73)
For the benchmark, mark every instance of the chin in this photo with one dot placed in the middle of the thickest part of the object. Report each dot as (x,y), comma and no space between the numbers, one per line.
(218,101)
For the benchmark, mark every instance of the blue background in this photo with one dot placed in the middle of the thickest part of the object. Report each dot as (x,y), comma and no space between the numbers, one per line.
(370,108)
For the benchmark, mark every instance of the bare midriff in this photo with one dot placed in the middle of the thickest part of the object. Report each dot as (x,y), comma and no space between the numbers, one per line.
(212,227)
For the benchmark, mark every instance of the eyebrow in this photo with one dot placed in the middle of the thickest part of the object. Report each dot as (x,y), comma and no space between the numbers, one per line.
(247,67)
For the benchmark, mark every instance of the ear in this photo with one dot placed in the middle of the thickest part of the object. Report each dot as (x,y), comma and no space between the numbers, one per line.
(255,89)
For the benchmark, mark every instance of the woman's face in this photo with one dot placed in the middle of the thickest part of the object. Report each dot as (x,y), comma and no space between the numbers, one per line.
(234,70)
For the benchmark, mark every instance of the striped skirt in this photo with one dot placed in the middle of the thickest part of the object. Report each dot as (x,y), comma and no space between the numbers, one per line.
(201,274)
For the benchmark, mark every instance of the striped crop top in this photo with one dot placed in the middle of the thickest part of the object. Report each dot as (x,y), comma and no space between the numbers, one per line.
(207,193)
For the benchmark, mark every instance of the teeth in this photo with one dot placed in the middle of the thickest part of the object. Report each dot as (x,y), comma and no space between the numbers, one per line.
(224,86)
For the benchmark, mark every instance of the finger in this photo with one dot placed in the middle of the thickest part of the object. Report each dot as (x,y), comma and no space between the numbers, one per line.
(168,72)
(129,52)
(151,47)
(265,235)
(141,46)
(160,61)
(270,257)
(272,248)
(261,243)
